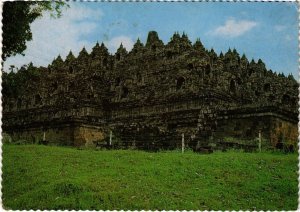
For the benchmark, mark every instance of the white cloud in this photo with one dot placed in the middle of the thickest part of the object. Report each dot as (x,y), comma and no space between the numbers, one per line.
(233,28)
(115,43)
(58,36)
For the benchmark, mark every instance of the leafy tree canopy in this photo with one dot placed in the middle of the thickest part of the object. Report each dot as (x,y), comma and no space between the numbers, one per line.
(17,17)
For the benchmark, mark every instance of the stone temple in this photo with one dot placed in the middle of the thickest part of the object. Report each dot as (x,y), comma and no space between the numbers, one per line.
(152,97)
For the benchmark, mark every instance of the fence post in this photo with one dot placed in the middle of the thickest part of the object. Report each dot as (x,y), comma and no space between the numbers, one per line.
(182,142)
(110,138)
(259,140)
(44,136)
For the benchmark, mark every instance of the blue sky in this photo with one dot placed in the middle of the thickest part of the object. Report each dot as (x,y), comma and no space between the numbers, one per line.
(260,30)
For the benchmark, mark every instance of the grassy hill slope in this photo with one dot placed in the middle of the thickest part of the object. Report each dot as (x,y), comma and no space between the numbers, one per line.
(45,177)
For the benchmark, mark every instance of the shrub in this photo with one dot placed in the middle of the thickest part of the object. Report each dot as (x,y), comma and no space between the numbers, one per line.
(22,142)
(6,139)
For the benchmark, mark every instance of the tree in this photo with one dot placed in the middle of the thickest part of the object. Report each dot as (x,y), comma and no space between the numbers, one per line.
(17,17)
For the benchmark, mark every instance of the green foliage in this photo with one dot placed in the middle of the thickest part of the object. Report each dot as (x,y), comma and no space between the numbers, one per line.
(23,141)
(289,146)
(17,17)
(241,141)
(67,188)
(265,146)
(6,139)
(49,177)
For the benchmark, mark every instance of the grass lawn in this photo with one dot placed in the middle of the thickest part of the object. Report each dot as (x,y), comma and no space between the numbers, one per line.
(49,177)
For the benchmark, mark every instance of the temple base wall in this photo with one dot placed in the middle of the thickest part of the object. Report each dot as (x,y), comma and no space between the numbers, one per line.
(245,130)
(62,135)
(234,130)
(87,135)
(70,135)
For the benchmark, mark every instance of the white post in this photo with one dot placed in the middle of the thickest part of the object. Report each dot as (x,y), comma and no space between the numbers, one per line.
(259,140)
(110,138)
(44,136)
(182,142)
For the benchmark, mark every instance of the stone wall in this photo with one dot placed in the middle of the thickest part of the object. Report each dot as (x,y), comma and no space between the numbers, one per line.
(71,135)
(60,135)
(88,135)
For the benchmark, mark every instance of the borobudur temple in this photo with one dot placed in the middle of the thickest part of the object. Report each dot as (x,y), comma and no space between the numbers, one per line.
(152,98)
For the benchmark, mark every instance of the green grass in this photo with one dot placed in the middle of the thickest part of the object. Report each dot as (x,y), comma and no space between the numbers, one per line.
(48,177)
